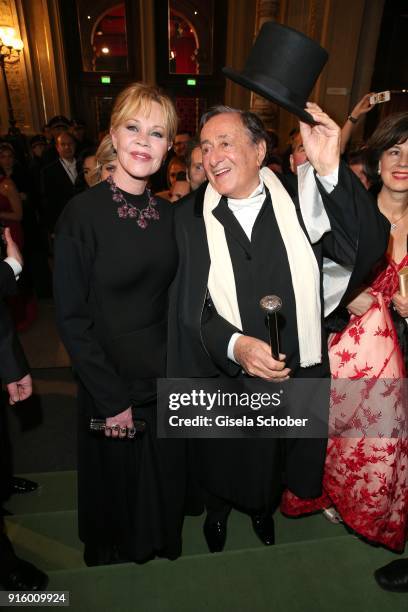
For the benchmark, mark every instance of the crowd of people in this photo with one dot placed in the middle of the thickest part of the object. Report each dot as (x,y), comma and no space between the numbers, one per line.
(161,246)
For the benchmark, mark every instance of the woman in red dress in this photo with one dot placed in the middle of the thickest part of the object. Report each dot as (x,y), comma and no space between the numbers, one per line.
(11,211)
(366,471)
(23,306)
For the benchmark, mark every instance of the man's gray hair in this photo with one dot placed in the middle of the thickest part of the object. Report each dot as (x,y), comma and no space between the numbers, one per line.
(251,122)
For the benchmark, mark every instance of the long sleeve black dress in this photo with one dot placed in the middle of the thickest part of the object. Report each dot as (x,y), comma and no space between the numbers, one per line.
(111,284)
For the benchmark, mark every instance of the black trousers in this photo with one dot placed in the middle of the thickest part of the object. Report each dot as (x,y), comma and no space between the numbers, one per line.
(6,461)
(218,509)
(8,559)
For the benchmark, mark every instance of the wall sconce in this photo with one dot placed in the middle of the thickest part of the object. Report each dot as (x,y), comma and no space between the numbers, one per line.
(10,49)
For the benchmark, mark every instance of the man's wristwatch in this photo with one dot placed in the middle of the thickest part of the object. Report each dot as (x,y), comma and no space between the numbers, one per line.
(352,119)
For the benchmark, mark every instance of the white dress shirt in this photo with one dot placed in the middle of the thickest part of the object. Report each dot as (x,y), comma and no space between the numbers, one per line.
(70,168)
(15,266)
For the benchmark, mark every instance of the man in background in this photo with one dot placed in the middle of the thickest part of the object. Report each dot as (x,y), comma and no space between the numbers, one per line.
(180,144)
(194,162)
(58,180)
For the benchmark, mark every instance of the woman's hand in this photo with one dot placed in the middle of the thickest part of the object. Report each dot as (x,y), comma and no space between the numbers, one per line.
(401,304)
(361,303)
(363,106)
(119,425)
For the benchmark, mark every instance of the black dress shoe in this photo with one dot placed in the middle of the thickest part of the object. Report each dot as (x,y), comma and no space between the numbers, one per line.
(394,576)
(264,528)
(24,577)
(23,485)
(215,534)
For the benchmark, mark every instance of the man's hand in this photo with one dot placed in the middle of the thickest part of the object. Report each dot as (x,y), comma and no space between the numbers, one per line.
(322,141)
(401,304)
(20,390)
(255,358)
(12,248)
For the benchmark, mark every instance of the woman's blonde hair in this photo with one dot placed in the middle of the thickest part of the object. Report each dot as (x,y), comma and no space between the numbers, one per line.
(138,97)
(105,153)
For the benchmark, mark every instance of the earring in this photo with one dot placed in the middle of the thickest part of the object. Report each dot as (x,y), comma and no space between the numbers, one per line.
(379,168)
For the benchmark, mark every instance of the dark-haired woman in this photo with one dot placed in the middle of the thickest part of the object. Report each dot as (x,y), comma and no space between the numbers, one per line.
(86,165)
(115,257)
(366,471)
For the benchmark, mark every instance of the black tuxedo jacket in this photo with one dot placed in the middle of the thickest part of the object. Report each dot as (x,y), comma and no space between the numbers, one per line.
(13,367)
(198,336)
(13,364)
(57,189)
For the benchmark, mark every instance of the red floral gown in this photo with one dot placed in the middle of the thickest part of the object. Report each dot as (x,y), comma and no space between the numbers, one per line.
(366,475)
(15,226)
(23,306)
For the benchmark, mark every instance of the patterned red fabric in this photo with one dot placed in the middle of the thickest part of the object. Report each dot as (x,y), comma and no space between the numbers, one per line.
(366,477)
(15,226)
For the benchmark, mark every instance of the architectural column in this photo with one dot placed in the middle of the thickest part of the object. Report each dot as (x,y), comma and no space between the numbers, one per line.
(16,75)
(266,10)
(38,82)
(240,33)
(148,46)
(43,40)
(364,67)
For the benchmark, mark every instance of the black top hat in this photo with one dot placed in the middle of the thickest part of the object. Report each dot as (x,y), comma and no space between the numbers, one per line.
(283,66)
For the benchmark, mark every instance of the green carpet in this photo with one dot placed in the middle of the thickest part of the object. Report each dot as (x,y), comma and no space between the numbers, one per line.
(315,566)
(302,577)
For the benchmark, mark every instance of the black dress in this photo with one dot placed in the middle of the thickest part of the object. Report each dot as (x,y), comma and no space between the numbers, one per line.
(111,284)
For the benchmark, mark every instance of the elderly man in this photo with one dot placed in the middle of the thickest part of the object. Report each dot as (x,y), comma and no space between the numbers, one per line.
(241,238)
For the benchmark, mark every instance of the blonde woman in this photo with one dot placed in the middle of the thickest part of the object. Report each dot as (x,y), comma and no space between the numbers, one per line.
(115,257)
(105,161)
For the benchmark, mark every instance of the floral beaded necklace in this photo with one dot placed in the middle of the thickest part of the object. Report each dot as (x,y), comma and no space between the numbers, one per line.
(142,215)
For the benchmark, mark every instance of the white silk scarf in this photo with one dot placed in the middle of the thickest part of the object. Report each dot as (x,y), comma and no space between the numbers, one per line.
(304,270)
